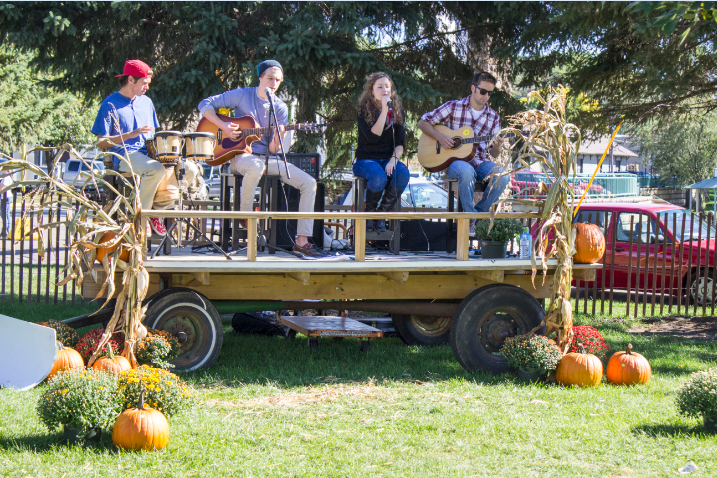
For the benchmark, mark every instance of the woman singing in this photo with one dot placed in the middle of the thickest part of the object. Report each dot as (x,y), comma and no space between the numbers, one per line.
(381,135)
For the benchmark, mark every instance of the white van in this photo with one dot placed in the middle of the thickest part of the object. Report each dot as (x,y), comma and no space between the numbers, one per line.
(75,171)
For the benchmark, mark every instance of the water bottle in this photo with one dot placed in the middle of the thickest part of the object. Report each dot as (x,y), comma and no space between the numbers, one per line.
(526,244)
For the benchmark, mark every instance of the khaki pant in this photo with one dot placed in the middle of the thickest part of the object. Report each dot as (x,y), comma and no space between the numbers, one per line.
(252,167)
(150,174)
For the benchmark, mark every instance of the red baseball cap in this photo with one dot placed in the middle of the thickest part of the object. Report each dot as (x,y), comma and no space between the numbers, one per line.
(136,68)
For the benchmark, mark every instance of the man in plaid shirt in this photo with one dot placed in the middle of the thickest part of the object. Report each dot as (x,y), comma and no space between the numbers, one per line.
(471,111)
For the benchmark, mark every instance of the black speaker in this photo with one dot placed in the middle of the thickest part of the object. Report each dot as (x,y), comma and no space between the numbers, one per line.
(286,230)
(309,163)
(417,235)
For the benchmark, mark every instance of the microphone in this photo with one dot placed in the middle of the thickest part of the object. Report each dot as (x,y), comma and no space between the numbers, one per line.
(268,92)
(390,108)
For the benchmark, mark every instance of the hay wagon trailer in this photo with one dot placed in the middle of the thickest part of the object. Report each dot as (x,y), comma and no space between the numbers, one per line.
(433,297)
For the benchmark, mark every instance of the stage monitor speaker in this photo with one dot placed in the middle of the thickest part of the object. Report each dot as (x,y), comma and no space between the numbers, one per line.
(285,232)
(417,235)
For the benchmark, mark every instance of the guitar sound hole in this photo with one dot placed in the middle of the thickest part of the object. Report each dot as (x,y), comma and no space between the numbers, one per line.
(456,143)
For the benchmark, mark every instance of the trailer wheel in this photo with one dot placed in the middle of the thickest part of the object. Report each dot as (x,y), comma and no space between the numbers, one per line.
(192,318)
(422,330)
(485,318)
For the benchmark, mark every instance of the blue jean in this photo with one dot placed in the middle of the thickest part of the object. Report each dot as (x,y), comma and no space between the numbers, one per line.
(466,175)
(374,171)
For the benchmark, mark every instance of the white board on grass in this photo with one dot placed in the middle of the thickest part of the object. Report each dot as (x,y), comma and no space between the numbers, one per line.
(27,353)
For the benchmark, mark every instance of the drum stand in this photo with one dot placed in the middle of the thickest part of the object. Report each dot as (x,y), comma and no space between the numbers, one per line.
(177,221)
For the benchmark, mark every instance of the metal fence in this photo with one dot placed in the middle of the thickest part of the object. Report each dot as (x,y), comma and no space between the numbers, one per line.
(654,264)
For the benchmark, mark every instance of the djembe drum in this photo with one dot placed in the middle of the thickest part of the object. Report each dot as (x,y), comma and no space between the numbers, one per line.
(167,149)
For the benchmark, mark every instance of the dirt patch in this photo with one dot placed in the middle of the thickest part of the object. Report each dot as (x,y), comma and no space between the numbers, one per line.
(698,328)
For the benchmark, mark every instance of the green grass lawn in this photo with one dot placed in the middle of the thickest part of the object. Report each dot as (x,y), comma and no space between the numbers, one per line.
(270,407)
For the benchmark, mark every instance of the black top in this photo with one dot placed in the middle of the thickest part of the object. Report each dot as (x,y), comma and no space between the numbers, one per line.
(371,146)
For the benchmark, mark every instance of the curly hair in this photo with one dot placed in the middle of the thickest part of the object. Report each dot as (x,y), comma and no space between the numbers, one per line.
(369,109)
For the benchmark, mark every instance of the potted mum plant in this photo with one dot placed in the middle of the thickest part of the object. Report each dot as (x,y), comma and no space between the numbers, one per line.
(494,242)
(533,355)
(698,398)
(83,401)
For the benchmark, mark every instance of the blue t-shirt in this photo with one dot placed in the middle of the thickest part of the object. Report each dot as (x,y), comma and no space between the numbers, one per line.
(131,115)
(247,102)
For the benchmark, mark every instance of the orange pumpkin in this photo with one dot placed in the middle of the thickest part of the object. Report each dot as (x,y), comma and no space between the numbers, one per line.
(581,369)
(103,251)
(589,243)
(115,365)
(628,368)
(67,359)
(141,428)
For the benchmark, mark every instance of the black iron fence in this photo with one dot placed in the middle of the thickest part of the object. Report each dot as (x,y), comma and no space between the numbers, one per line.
(655,263)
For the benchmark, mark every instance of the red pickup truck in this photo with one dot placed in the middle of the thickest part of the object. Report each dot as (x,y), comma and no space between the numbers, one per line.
(678,238)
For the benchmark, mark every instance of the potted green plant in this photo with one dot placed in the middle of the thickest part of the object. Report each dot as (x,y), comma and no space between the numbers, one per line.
(494,241)
(698,398)
(533,355)
(83,401)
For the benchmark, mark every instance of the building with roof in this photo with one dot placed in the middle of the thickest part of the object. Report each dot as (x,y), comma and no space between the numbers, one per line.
(621,157)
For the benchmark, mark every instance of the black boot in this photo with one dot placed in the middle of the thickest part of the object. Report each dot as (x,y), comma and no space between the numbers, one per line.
(370,205)
(388,204)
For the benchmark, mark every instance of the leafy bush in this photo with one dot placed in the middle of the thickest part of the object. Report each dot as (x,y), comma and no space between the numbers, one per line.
(698,396)
(164,391)
(503,229)
(65,334)
(531,351)
(590,339)
(88,342)
(157,349)
(82,399)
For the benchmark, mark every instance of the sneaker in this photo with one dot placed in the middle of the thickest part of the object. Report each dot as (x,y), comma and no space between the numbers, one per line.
(157,226)
(308,249)
(472,229)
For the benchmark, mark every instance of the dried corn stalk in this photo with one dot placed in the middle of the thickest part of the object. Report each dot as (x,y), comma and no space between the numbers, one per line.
(90,221)
(550,141)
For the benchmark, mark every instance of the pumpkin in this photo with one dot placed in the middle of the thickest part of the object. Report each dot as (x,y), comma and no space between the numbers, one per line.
(67,359)
(628,368)
(141,428)
(581,369)
(589,243)
(103,251)
(115,364)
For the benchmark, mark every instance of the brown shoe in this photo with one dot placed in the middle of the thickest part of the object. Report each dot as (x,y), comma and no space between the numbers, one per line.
(244,223)
(308,249)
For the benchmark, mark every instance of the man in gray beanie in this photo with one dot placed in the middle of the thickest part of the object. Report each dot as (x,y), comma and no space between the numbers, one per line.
(253,102)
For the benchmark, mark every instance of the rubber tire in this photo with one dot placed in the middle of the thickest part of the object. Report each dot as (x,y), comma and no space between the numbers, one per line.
(693,278)
(405,327)
(202,314)
(478,307)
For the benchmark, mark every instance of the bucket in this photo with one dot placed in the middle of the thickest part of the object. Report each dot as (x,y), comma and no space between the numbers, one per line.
(493,249)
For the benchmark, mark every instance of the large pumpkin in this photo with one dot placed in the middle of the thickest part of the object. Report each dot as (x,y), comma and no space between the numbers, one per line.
(581,369)
(103,251)
(67,359)
(628,368)
(141,428)
(115,365)
(589,243)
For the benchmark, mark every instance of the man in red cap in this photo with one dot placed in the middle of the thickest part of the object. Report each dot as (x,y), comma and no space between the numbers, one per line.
(125,120)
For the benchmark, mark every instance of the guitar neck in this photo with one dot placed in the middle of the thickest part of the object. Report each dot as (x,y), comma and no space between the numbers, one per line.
(257,131)
(477,139)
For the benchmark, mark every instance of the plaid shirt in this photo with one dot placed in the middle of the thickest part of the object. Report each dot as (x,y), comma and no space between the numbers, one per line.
(457,114)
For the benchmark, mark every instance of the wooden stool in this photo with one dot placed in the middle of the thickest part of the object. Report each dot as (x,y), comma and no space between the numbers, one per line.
(393,231)
(451,226)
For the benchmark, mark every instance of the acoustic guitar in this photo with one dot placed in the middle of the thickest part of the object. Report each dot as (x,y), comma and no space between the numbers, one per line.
(227,148)
(434,157)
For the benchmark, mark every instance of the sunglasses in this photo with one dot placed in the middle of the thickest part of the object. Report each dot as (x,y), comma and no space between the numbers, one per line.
(483,91)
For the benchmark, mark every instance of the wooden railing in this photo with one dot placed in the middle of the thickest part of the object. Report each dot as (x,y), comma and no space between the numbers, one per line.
(462,219)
